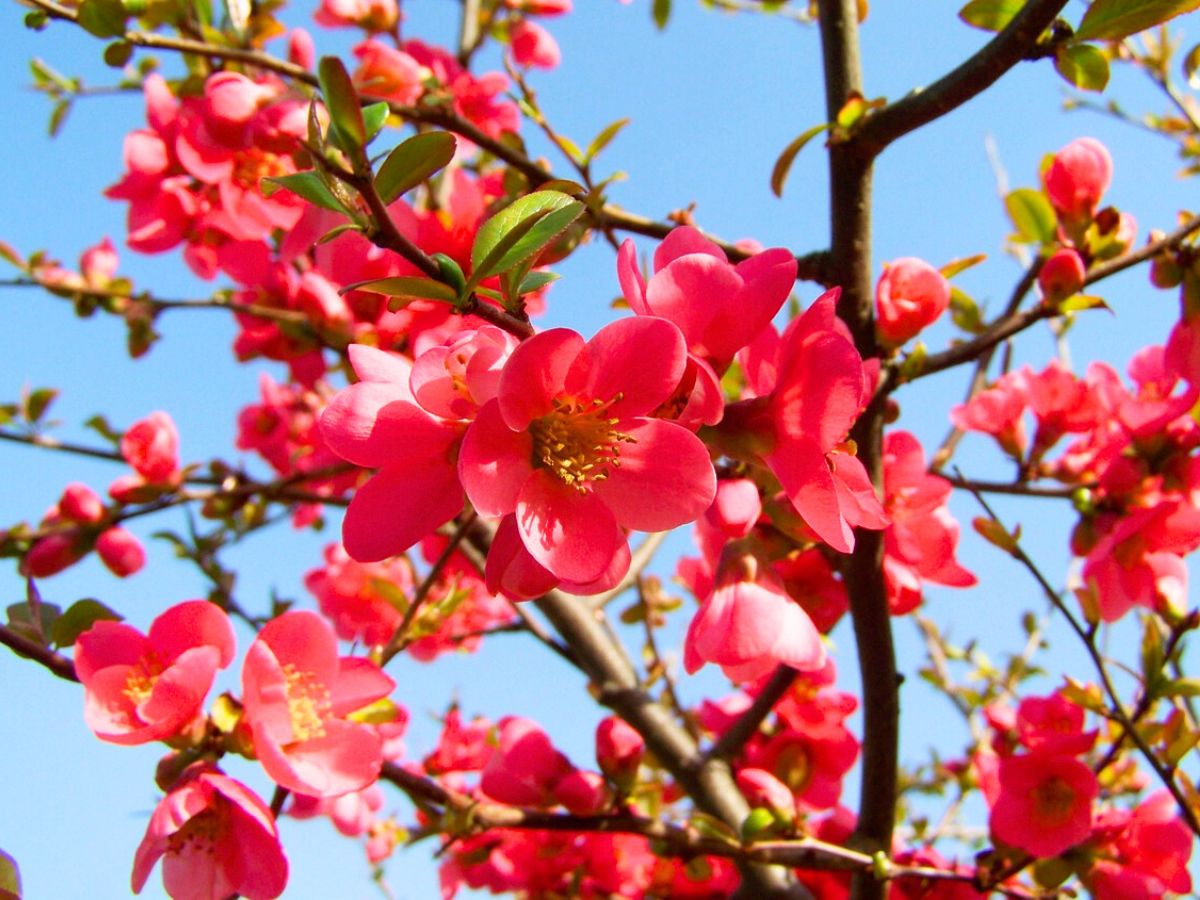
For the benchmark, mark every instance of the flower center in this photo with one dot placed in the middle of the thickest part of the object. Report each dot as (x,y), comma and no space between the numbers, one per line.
(309,704)
(253,163)
(578,441)
(1053,799)
(139,683)
(198,834)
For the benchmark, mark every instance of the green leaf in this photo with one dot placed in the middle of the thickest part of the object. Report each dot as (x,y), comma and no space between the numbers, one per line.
(410,286)
(1182,687)
(341,99)
(118,53)
(520,231)
(303,184)
(10,878)
(412,162)
(79,617)
(103,18)
(100,425)
(58,116)
(955,266)
(783,165)
(990,15)
(37,402)
(1191,65)
(535,280)
(759,821)
(1079,302)
(1032,216)
(373,118)
(20,618)
(603,139)
(337,231)
(451,272)
(1082,65)
(1111,20)
(661,12)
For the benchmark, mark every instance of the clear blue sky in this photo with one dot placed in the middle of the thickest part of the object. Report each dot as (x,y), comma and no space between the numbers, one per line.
(713,100)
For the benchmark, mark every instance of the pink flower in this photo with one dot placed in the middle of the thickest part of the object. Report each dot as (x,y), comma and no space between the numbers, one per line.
(749,625)
(911,294)
(540,7)
(718,306)
(820,390)
(355,596)
(1053,725)
(121,552)
(1062,275)
(513,572)
(219,840)
(619,749)
(297,694)
(532,45)
(141,688)
(388,73)
(372,15)
(762,789)
(55,552)
(1077,178)
(921,542)
(151,446)
(1045,803)
(378,423)
(569,446)
(525,767)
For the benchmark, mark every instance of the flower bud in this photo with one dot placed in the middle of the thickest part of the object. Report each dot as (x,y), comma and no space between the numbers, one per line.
(1061,275)
(53,553)
(583,793)
(151,446)
(532,45)
(98,264)
(619,751)
(910,295)
(1077,178)
(761,788)
(121,552)
(81,504)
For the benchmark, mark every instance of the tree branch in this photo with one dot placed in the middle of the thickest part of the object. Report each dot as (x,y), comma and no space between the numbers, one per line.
(977,74)
(21,645)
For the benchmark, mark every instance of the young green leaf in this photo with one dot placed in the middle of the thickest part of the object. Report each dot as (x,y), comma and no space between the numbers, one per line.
(412,162)
(78,618)
(519,231)
(103,18)
(341,99)
(1082,65)
(1032,216)
(373,118)
(990,15)
(603,139)
(783,165)
(661,11)
(1111,20)
(303,184)
(411,286)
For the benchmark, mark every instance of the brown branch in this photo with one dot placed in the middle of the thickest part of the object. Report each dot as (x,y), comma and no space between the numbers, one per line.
(975,75)
(23,646)
(730,744)
(850,177)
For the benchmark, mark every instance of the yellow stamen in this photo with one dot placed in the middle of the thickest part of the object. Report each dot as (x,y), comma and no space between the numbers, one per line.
(309,704)
(578,441)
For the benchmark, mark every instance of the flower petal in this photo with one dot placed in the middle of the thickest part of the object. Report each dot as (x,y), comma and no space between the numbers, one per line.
(535,374)
(494,462)
(804,474)
(399,506)
(572,534)
(640,358)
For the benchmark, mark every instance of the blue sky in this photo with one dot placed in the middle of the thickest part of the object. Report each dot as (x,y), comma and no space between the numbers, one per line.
(713,100)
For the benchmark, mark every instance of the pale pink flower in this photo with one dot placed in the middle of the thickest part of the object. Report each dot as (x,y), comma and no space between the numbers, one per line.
(219,840)
(297,694)
(141,688)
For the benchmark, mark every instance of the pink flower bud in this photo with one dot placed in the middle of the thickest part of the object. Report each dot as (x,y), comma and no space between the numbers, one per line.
(583,793)
(1078,177)
(231,100)
(911,294)
(121,552)
(81,504)
(98,264)
(761,788)
(525,767)
(619,748)
(151,446)
(1062,275)
(53,553)
(301,49)
(533,45)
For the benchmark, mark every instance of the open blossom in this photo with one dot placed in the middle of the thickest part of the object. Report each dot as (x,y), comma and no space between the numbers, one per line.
(1077,178)
(297,694)
(1045,803)
(140,688)
(1149,848)
(807,398)
(920,543)
(218,838)
(570,447)
(749,626)
(373,15)
(911,294)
